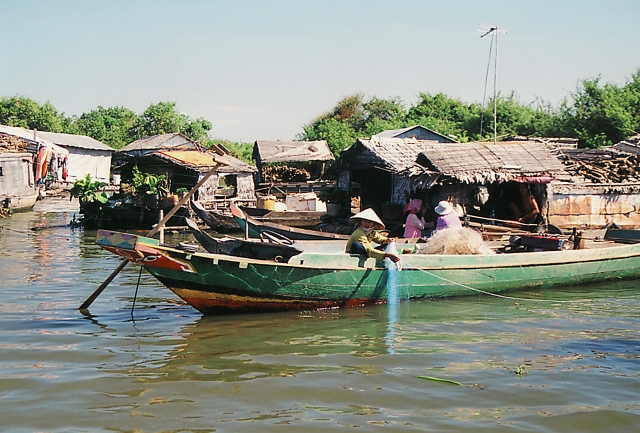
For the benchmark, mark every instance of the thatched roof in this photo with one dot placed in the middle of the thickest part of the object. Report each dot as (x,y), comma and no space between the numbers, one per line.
(390,154)
(291,151)
(465,162)
(487,163)
(553,142)
(397,154)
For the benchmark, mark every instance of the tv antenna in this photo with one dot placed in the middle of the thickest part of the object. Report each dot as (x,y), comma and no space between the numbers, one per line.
(494,31)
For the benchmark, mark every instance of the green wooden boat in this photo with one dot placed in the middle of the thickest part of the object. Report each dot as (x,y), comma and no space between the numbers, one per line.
(214,283)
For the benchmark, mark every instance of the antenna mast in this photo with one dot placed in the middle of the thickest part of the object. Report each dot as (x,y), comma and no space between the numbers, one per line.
(495,31)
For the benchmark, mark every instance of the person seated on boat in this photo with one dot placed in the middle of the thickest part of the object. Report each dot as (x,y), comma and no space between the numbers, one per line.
(525,208)
(447,218)
(367,223)
(415,222)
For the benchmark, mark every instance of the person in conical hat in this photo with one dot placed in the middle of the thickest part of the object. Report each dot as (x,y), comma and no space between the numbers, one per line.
(365,234)
(369,215)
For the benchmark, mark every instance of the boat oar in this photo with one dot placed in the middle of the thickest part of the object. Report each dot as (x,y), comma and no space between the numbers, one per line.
(155,230)
(509,223)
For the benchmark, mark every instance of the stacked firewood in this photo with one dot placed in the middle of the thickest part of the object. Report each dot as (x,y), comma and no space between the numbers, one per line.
(614,169)
(10,142)
(283,173)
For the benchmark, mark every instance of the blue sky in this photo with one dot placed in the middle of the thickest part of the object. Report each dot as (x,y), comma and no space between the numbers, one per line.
(260,70)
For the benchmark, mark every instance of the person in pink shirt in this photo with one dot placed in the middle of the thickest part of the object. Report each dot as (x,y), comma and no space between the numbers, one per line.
(415,222)
(447,217)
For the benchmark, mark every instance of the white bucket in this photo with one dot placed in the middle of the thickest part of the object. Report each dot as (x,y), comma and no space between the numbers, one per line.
(116,179)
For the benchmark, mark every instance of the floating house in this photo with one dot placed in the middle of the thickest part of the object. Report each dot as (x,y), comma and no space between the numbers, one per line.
(27,162)
(387,172)
(184,162)
(300,161)
(17,183)
(482,179)
(602,189)
(86,156)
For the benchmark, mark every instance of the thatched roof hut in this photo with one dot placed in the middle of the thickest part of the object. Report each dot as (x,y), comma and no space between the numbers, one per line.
(310,158)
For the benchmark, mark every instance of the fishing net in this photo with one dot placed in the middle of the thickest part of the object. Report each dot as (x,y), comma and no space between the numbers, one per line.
(456,241)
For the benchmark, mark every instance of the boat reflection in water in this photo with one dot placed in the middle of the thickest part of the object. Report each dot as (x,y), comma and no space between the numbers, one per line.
(242,347)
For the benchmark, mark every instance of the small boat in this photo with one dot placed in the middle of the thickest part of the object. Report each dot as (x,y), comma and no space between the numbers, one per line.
(295,218)
(223,283)
(18,203)
(627,236)
(272,248)
(253,228)
(218,221)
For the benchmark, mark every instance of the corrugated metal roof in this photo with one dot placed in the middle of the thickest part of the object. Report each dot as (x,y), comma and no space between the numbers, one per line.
(189,157)
(631,145)
(79,141)
(292,151)
(203,161)
(27,135)
(394,133)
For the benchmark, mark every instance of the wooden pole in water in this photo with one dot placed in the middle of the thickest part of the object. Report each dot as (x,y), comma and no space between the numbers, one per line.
(155,230)
(160,218)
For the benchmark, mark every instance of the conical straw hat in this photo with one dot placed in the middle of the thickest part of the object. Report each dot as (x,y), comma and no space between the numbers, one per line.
(444,208)
(367,214)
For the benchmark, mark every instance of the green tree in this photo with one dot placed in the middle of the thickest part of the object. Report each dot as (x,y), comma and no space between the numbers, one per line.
(598,115)
(164,118)
(113,126)
(27,113)
(160,118)
(446,115)
(382,114)
(338,135)
(242,151)
(631,92)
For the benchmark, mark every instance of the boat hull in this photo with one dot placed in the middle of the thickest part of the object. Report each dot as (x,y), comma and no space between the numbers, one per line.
(214,283)
(20,203)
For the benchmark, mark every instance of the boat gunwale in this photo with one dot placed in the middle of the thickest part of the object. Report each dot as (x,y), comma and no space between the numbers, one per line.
(509,260)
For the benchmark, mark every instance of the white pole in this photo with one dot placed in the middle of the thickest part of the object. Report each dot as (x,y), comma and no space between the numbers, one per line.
(495,101)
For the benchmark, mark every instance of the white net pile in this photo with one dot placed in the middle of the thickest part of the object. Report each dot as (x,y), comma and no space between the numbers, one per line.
(456,241)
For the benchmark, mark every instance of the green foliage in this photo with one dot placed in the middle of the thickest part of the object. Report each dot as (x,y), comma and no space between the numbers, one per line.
(28,114)
(339,135)
(446,115)
(113,126)
(599,115)
(88,191)
(333,194)
(596,114)
(164,118)
(242,151)
(150,184)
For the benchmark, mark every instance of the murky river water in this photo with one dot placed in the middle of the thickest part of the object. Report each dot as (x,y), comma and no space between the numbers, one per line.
(537,366)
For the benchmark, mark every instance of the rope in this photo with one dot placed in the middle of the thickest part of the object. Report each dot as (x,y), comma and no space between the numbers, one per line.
(511,298)
(135,296)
